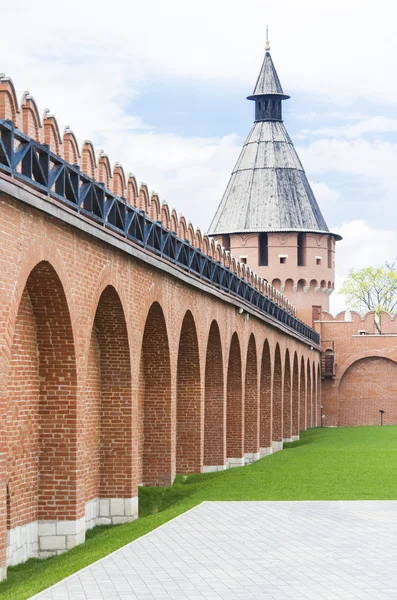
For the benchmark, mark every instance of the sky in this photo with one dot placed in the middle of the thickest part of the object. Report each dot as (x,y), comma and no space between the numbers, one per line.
(161,87)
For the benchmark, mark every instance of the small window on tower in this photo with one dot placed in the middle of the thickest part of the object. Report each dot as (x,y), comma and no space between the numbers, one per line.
(263,250)
(243,259)
(283,260)
(301,250)
(318,260)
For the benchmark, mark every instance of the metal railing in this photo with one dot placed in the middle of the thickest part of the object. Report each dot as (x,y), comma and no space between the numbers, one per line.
(37,166)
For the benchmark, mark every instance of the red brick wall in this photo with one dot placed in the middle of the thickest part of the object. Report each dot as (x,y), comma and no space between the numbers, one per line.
(295,397)
(287,399)
(89,345)
(214,402)
(188,403)
(235,409)
(251,414)
(23,419)
(265,391)
(365,367)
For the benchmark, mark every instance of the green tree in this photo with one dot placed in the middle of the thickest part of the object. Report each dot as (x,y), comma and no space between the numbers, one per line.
(372,289)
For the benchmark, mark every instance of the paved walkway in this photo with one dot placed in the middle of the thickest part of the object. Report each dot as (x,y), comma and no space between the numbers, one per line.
(252,550)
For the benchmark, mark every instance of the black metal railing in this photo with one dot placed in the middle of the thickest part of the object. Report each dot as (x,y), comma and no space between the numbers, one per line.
(34,164)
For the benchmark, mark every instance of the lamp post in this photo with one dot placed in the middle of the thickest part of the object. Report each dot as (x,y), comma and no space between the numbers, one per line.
(381,416)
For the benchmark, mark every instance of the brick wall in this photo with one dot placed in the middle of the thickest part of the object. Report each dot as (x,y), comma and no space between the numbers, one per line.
(92,341)
(366,369)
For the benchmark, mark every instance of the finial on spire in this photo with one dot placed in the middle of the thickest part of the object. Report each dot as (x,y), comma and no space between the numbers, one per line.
(267,47)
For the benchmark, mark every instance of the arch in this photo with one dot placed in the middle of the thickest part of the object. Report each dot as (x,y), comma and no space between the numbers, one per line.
(314,394)
(265,419)
(108,421)
(323,284)
(143,198)
(215,405)
(234,406)
(289,285)
(188,400)
(295,398)
(367,386)
(309,397)
(313,284)
(301,285)
(42,404)
(319,403)
(277,435)
(287,399)
(155,402)
(276,283)
(302,397)
(251,404)
(155,211)
(182,230)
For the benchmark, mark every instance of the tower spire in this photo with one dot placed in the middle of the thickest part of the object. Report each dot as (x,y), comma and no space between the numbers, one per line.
(267,46)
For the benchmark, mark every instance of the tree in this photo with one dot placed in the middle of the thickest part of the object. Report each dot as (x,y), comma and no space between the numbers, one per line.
(373,289)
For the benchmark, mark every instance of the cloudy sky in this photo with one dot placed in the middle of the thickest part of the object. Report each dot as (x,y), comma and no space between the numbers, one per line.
(161,87)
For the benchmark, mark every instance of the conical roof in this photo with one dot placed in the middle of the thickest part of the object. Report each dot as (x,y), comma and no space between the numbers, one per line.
(268,82)
(268,189)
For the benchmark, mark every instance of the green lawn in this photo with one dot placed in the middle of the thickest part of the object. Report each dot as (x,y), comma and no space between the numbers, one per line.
(326,464)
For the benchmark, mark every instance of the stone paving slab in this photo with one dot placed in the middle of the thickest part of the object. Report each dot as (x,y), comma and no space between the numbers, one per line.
(252,550)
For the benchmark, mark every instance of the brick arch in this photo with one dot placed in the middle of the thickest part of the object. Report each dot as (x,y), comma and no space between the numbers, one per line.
(155,448)
(277,435)
(309,397)
(42,404)
(265,412)
(314,395)
(42,250)
(302,397)
(214,402)
(108,407)
(188,403)
(287,399)
(251,403)
(234,405)
(375,377)
(295,397)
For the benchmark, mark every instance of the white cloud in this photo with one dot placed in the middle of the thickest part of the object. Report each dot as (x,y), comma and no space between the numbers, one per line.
(324,194)
(372,125)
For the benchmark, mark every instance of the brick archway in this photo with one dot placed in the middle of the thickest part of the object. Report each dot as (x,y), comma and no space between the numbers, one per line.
(277,436)
(309,397)
(295,398)
(42,408)
(188,400)
(251,405)
(302,397)
(234,406)
(155,402)
(215,405)
(375,377)
(108,418)
(287,399)
(265,417)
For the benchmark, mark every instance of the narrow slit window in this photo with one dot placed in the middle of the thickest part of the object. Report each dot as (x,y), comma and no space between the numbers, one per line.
(263,250)
(301,250)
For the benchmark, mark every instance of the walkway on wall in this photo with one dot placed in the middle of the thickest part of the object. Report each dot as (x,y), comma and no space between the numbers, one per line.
(229,550)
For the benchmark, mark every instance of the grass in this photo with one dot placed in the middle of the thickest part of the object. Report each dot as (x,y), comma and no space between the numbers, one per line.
(326,464)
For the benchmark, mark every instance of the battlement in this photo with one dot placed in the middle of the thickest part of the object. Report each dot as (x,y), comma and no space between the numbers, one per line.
(96,166)
(363,324)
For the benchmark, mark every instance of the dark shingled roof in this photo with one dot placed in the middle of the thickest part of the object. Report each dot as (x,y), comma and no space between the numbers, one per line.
(268,189)
(268,81)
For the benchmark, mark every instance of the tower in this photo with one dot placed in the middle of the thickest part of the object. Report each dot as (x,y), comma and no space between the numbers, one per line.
(268,216)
